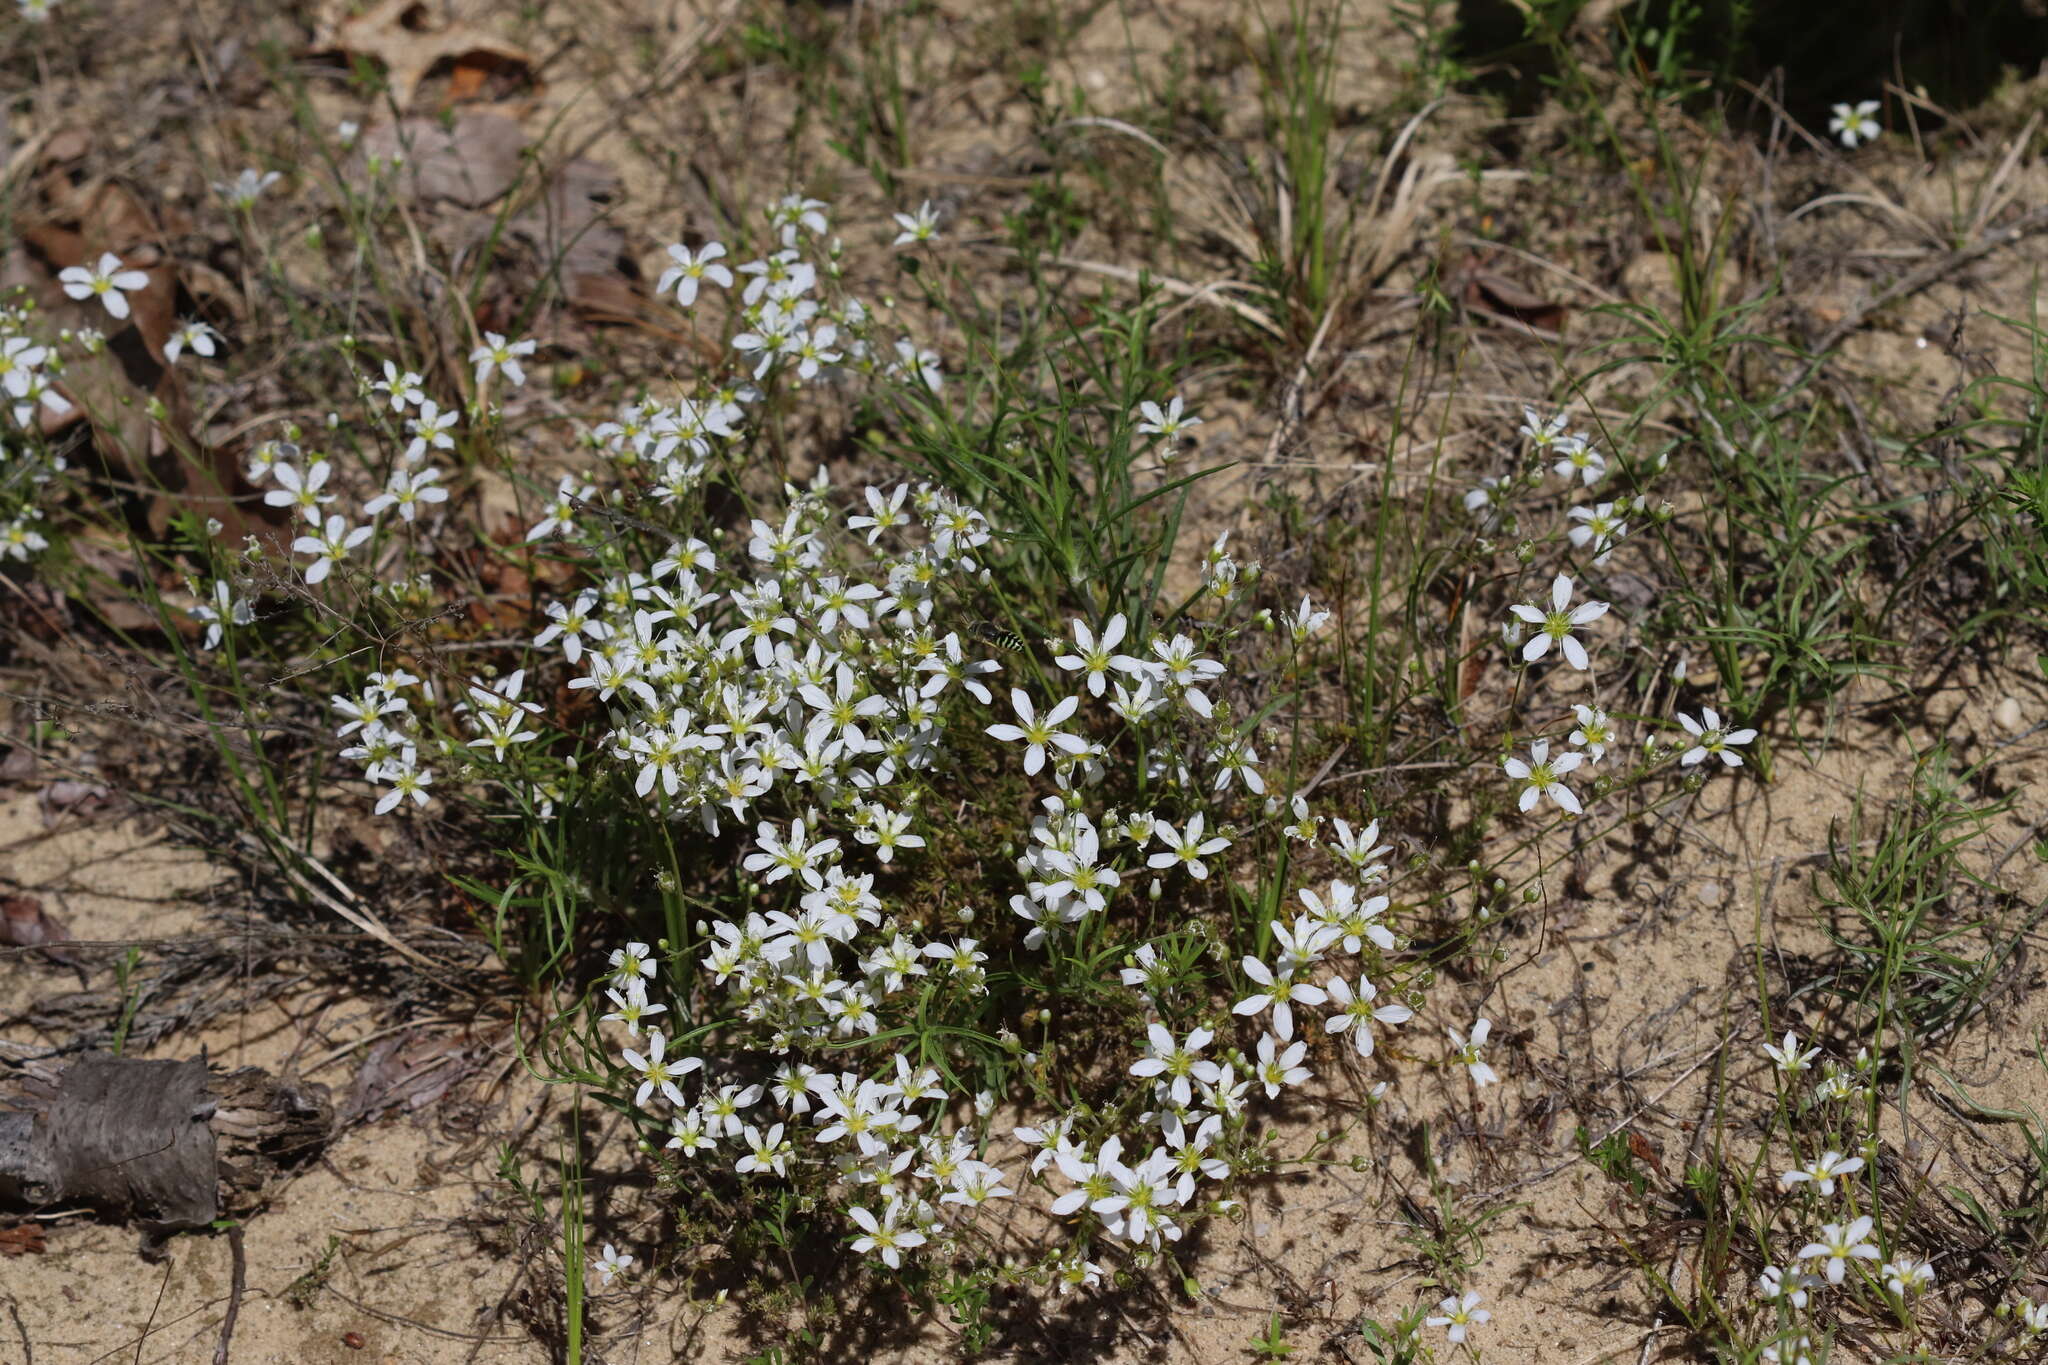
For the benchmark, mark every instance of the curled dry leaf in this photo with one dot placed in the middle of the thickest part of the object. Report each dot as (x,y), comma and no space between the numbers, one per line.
(397,34)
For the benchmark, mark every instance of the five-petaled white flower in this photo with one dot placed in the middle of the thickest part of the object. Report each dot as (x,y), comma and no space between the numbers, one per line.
(245,189)
(1467,1054)
(1095,656)
(691,269)
(657,1073)
(223,611)
(1838,1244)
(1542,775)
(1595,731)
(1710,737)
(1038,731)
(612,1264)
(1905,1275)
(1854,123)
(1167,422)
(1787,1057)
(1460,1314)
(882,1234)
(1355,1012)
(1554,627)
(107,280)
(1186,849)
(922,226)
(498,353)
(1822,1171)
(192,335)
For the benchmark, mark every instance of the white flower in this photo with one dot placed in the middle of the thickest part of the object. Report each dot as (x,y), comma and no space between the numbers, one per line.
(1599,527)
(1823,1171)
(1554,627)
(225,610)
(1177,1063)
(430,430)
(1595,731)
(1096,657)
(245,189)
(1711,738)
(402,385)
(1307,622)
(689,271)
(658,1074)
(922,226)
(406,777)
(1542,433)
(1468,1053)
(1787,1057)
(1037,731)
(765,1151)
(1579,459)
(1839,1243)
(406,490)
(1279,1068)
(330,547)
(1278,989)
(612,1264)
(498,353)
(1355,1012)
(1185,850)
(1791,1350)
(1542,775)
(1791,1286)
(301,490)
(1460,1314)
(107,280)
(1905,1275)
(1854,123)
(1168,422)
(882,1234)
(191,334)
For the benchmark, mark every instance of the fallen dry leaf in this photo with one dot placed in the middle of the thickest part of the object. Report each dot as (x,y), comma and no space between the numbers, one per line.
(23,1239)
(396,33)
(25,924)
(470,161)
(1499,296)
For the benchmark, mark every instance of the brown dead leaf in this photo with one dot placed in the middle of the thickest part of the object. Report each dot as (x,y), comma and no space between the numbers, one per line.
(397,34)
(1495,294)
(410,1071)
(1639,1147)
(23,1239)
(471,161)
(25,924)
(571,227)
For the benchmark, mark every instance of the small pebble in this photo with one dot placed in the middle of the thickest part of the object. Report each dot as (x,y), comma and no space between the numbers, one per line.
(2007,714)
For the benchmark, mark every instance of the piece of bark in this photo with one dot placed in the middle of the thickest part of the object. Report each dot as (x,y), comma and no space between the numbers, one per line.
(166,1143)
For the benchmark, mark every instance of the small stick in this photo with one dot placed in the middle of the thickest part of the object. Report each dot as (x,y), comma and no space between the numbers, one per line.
(238,1281)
